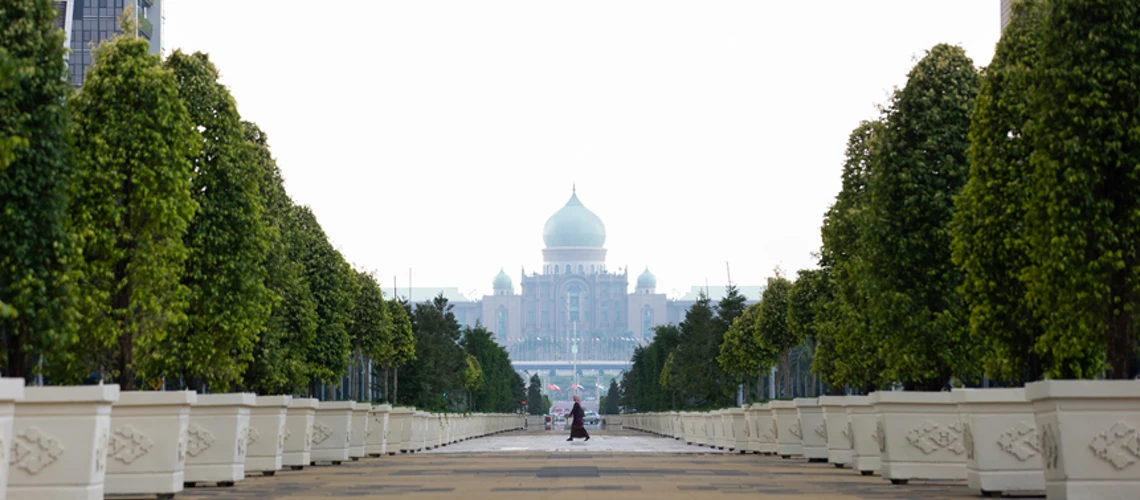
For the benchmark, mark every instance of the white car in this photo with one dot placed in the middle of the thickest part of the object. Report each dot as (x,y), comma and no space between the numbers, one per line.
(591,418)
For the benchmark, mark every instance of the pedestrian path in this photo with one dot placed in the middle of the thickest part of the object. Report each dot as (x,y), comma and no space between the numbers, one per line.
(613,464)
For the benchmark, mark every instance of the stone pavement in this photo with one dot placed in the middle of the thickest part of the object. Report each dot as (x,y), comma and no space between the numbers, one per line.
(614,464)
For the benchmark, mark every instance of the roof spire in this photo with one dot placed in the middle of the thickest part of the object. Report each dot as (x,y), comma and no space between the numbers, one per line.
(574,188)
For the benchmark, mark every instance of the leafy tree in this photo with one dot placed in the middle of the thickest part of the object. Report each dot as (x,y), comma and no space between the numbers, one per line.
(740,353)
(698,380)
(279,365)
(501,389)
(612,405)
(848,350)
(641,388)
(401,347)
(918,166)
(133,204)
(534,396)
(331,282)
(807,304)
(371,328)
(772,330)
(440,360)
(1083,221)
(989,220)
(228,238)
(37,293)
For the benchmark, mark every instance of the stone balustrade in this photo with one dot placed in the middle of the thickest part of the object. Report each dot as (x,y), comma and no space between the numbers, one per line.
(91,441)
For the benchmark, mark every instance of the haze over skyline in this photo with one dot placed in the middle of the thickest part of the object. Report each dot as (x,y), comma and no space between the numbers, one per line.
(440,136)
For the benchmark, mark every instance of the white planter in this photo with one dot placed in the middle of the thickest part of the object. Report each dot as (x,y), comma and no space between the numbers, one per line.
(1002,448)
(735,426)
(267,432)
(400,421)
(752,441)
(789,435)
(839,437)
(147,448)
(360,421)
(218,438)
(1090,437)
(376,442)
(332,431)
(11,390)
(766,431)
(924,436)
(299,418)
(59,442)
(814,431)
(867,438)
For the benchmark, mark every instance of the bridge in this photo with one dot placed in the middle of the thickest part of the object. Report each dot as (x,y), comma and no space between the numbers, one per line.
(568,366)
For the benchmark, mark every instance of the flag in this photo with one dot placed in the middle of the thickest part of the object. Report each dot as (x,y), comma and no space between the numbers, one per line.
(554,387)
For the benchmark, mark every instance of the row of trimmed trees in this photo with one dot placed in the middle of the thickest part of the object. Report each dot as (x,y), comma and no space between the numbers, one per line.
(987,230)
(146,237)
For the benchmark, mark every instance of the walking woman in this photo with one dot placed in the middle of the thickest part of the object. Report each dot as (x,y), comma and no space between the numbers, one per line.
(577,428)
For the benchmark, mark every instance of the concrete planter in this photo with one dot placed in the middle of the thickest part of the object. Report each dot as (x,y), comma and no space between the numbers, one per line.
(1090,437)
(299,419)
(11,390)
(332,431)
(734,426)
(400,420)
(814,431)
(866,435)
(924,437)
(789,433)
(146,453)
(1002,448)
(267,431)
(59,442)
(839,445)
(678,426)
(376,440)
(766,430)
(752,441)
(418,428)
(218,438)
(360,421)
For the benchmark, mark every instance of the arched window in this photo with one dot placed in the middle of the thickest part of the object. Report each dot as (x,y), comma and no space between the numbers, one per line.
(555,269)
(568,271)
(592,269)
(581,269)
(573,292)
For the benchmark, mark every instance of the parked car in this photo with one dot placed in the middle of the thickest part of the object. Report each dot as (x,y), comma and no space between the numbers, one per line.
(591,418)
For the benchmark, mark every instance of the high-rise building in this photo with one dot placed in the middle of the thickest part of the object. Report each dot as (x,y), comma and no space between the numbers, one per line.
(89,22)
(1006,11)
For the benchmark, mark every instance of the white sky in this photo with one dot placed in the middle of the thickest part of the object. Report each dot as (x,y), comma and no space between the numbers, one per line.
(440,135)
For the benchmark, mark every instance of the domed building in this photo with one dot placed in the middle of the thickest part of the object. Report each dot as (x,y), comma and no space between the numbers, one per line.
(576,302)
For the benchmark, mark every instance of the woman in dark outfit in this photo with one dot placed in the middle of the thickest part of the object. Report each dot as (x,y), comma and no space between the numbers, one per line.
(577,428)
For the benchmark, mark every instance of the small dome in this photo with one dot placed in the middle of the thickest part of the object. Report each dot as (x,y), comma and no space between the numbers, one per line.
(647,280)
(574,225)
(502,280)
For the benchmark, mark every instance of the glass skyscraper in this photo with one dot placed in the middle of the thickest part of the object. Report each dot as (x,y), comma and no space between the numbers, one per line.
(89,22)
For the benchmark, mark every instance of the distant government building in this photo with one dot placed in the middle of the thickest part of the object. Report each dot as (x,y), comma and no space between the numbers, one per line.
(575,308)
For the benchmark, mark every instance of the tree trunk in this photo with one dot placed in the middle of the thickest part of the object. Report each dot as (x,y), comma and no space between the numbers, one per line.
(17,360)
(1120,328)
(395,384)
(786,367)
(386,394)
(122,302)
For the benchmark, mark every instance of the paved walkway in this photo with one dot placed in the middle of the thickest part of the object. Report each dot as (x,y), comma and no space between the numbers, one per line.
(614,464)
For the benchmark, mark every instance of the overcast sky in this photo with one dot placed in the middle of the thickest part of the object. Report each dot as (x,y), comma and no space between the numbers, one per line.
(440,136)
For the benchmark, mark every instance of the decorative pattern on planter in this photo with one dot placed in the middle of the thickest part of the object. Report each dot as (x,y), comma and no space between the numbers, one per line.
(198,440)
(1020,441)
(1050,451)
(348,436)
(2,447)
(821,431)
(773,434)
(128,444)
(243,441)
(34,451)
(931,437)
(309,434)
(795,430)
(1119,445)
(101,451)
(849,433)
(748,431)
(183,438)
(282,435)
(968,440)
(321,432)
(252,435)
(880,436)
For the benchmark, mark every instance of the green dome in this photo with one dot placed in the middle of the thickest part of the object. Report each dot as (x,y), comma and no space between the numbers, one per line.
(647,280)
(502,280)
(574,225)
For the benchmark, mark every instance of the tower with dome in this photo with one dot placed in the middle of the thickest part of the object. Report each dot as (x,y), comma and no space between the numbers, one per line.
(576,301)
